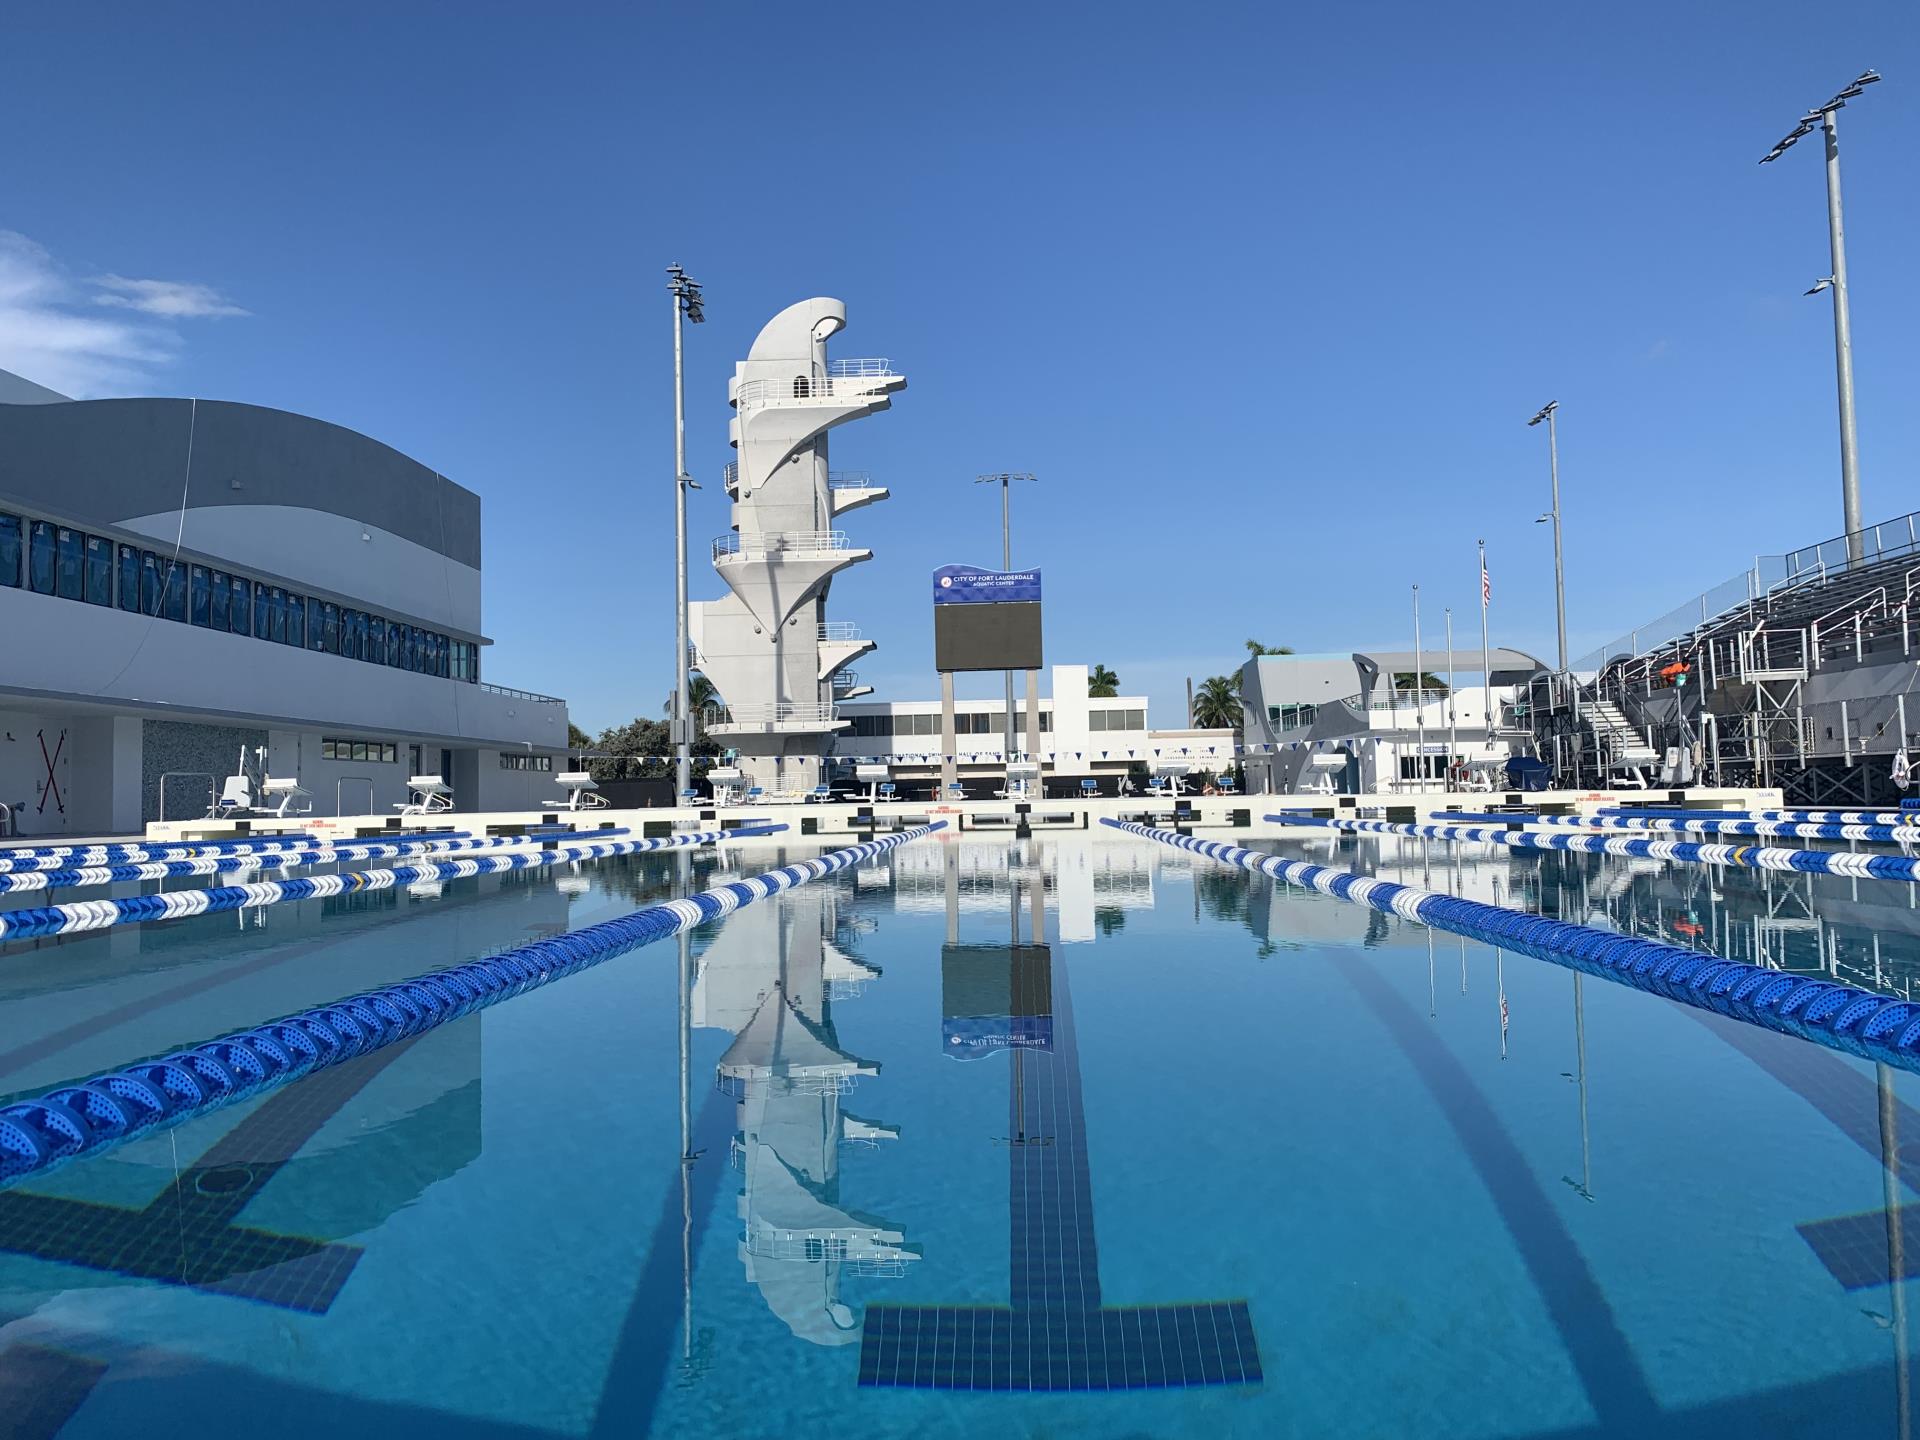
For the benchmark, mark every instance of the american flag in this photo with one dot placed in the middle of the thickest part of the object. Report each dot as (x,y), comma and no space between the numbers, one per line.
(1486,585)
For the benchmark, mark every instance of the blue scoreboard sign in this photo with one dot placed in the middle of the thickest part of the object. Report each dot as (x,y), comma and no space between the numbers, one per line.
(969,585)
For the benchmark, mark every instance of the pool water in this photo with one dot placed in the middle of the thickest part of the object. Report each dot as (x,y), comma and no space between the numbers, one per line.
(1073,1136)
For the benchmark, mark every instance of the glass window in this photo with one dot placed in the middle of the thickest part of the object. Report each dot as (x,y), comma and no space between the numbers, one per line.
(129,578)
(1046,722)
(173,590)
(330,627)
(217,599)
(12,547)
(326,749)
(316,638)
(69,563)
(261,624)
(296,621)
(149,583)
(276,615)
(362,634)
(376,646)
(99,579)
(359,750)
(40,557)
(199,596)
(240,604)
(352,623)
(409,648)
(442,656)
(1136,720)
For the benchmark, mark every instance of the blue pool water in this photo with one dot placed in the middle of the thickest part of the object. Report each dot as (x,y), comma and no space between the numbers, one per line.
(1076,1136)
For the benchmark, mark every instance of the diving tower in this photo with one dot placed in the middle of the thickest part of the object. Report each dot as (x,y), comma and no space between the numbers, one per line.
(777,662)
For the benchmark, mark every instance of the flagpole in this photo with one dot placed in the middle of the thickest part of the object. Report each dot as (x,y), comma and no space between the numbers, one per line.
(1419,715)
(1486,653)
(1453,715)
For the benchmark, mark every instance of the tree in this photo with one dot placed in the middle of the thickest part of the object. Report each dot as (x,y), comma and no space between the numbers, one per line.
(1102,684)
(1403,680)
(1216,704)
(700,695)
(1255,648)
(578,739)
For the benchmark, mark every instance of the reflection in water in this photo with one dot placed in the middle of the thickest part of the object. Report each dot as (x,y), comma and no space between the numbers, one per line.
(770,976)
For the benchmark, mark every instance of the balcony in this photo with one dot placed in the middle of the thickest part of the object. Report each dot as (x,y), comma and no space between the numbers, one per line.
(833,630)
(845,380)
(781,717)
(781,544)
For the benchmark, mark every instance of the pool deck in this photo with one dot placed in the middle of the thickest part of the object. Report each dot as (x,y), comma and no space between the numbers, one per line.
(844,817)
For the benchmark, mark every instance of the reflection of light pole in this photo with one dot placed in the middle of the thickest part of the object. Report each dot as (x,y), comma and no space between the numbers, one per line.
(1896,1248)
(686,301)
(687,1157)
(1822,116)
(1005,481)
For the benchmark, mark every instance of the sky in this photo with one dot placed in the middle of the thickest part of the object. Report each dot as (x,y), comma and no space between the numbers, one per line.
(1264,295)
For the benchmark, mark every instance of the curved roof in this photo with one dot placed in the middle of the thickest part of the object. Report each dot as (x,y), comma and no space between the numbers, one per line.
(790,334)
(117,460)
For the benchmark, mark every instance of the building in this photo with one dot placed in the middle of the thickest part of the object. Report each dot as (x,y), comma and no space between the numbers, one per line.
(767,646)
(182,580)
(1359,724)
(1080,737)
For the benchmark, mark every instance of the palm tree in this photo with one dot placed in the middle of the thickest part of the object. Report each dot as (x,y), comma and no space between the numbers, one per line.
(1102,684)
(1216,704)
(1256,649)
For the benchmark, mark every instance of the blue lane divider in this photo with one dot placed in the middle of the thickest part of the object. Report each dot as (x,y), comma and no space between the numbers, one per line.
(175,904)
(88,1117)
(1837,817)
(1785,829)
(1753,857)
(1827,1012)
(68,879)
(61,857)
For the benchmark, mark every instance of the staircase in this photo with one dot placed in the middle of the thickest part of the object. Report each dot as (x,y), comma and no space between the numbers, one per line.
(1619,745)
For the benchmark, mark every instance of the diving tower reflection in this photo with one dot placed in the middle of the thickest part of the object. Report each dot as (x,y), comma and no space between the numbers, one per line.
(770,976)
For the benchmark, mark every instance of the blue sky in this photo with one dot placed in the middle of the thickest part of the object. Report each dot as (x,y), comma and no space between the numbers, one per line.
(1264,294)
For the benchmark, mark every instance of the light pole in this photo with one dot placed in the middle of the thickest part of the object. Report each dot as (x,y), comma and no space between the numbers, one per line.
(1822,117)
(1559,568)
(687,302)
(1005,481)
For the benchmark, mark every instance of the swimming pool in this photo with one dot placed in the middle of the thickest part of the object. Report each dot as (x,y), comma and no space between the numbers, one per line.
(1077,1135)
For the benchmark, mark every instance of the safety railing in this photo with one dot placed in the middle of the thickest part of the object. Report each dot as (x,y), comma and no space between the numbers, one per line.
(730,474)
(206,809)
(763,545)
(6,820)
(344,780)
(850,479)
(1898,536)
(513,694)
(846,679)
(831,630)
(838,384)
(777,712)
(868,365)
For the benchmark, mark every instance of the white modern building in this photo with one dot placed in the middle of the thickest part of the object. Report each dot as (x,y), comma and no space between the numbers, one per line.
(767,646)
(184,580)
(1359,723)
(1080,737)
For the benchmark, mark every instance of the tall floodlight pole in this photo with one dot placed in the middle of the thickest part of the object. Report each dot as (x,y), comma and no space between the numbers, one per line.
(687,302)
(1419,715)
(1005,481)
(1559,566)
(1453,713)
(1821,116)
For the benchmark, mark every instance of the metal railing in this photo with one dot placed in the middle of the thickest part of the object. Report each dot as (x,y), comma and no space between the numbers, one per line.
(869,365)
(186,775)
(366,780)
(1878,542)
(513,694)
(839,630)
(850,479)
(730,474)
(775,712)
(759,545)
(846,679)
(837,384)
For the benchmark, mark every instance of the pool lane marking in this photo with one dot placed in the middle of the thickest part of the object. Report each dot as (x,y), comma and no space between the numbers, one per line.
(1615,1385)
(1057,1334)
(292,1272)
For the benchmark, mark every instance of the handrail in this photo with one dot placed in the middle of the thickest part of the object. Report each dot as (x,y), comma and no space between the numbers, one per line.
(367,780)
(839,630)
(185,775)
(869,365)
(812,389)
(6,820)
(759,544)
(850,480)
(511,693)
(772,712)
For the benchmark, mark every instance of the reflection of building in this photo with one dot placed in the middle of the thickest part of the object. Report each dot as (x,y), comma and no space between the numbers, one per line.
(770,976)
(1081,876)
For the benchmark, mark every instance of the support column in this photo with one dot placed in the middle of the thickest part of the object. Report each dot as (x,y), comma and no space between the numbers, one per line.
(1033,715)
(949,751)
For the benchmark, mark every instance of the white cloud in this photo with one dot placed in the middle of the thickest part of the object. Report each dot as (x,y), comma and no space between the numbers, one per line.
(173,299)
(48,336)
